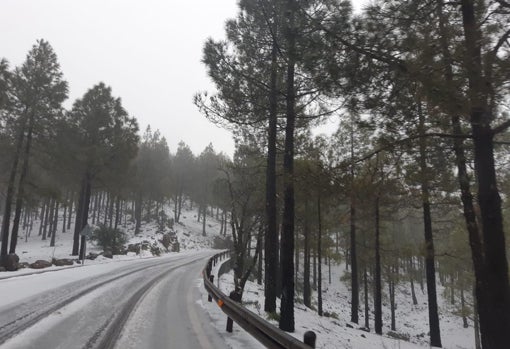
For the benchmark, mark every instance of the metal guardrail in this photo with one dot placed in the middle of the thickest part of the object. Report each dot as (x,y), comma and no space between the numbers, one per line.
(269,335)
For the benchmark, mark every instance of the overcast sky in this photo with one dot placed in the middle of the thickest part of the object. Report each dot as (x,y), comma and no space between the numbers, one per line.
(148,51)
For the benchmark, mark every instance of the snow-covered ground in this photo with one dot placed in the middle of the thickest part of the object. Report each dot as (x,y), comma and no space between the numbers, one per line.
(336,331)
(188,231)
(332,331)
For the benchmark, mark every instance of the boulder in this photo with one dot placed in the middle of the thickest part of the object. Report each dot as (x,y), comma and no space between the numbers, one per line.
(155,250)
(91,256)
(166,241)
(40,264)
(12,262)
(108,254)
(62,262)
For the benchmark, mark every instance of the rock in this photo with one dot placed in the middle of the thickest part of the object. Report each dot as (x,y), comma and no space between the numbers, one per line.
(92,256)
(108,254)
(2,269)
(166,241)
(363,336)
(133,248)
(12,262)
(40,264)
(349,325)
(62,262)
(155,250)
(397,335)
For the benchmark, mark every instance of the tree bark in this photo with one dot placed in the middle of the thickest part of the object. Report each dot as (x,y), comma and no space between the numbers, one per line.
(307,292)
(69,218)
(10,193)
(271,239)
(435,333)
(21,186)
(319,257)
(203,219)
(377,277)
(138,212)
(287,241)
(354,262)
(55,223)
(411,272)
(493,288)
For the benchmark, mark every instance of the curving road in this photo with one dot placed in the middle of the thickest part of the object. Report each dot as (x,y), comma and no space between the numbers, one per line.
(149,304)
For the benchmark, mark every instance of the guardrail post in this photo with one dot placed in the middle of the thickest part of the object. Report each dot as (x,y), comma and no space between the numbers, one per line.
(211,278)
(309,338)
(209,268)
(236,297)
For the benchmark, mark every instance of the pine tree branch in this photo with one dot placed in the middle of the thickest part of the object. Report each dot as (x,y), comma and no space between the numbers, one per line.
(411,138)
(503,3)
(391,61)
(501,128)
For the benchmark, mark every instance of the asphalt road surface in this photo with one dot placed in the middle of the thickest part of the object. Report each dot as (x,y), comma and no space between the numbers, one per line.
(150,304)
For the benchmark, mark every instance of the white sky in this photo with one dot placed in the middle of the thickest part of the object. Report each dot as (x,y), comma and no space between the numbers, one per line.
(148,51)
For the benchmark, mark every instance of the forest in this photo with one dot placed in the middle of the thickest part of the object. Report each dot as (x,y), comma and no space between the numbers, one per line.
(411,185)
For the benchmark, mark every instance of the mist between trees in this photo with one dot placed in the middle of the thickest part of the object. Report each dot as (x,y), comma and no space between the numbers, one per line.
(411,186)
(87,164)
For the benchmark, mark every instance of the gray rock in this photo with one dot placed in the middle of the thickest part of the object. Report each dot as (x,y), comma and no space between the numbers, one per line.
(40,264)
(12,262)
(62,262)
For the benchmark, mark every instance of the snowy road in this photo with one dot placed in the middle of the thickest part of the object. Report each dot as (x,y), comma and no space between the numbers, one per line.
(152,303)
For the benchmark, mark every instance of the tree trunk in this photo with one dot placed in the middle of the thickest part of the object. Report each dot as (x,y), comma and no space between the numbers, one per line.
(55,223)
(329,269)
(354,262)
(117,213)
(110,210)
(85,214)
(41,217)
(493,289)
(78,225)
(287,239)
(10,193)
(71,202)
(296,257)
(411,272)
(307,292)
(452,290)
(51,218)
(106,208)
(45,223)
(319,257)
(271,238)
(377,276)
(314,271)
(367,310)
(476,323)
(138,212)
(64,216)
(259,261)
(391,285)
(435,333)
(463,308)
(203,220)
(97,199)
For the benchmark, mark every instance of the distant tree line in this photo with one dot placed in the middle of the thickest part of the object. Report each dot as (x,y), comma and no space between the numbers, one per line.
(63,169)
